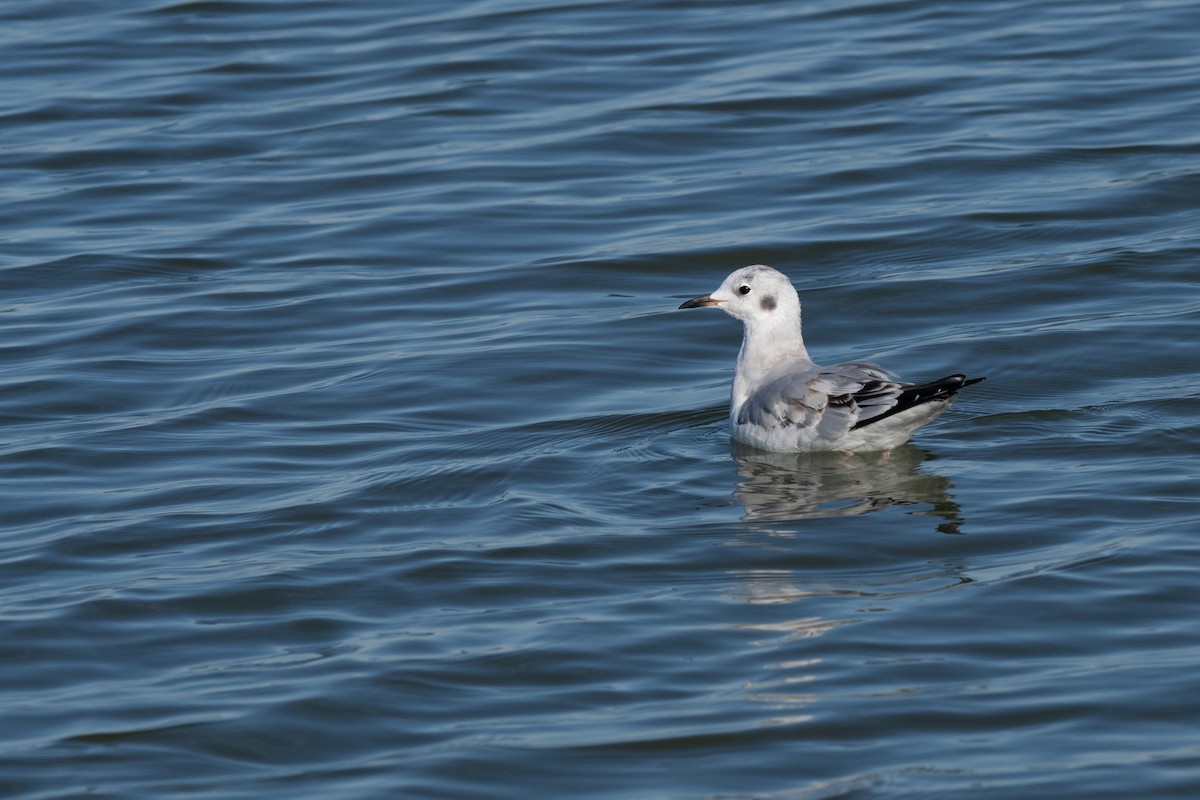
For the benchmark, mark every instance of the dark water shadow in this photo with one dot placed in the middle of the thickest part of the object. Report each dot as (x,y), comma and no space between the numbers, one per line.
(784,486)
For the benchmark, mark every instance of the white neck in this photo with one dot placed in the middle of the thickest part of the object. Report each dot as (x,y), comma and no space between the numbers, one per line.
(767,342)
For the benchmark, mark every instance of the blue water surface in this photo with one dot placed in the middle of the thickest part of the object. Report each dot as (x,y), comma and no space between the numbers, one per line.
(353,445)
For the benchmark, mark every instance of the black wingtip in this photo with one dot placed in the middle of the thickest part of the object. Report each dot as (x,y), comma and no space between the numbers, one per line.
(914,395)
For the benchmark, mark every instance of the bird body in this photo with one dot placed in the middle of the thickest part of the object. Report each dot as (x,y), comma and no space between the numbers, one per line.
(783,401)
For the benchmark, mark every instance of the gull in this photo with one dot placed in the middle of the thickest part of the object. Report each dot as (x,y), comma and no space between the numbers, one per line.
(784,402)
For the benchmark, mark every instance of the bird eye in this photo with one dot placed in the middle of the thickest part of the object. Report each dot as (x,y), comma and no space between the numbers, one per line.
(743,289)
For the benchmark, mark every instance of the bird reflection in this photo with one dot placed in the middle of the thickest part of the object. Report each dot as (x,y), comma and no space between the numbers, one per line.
(782,486)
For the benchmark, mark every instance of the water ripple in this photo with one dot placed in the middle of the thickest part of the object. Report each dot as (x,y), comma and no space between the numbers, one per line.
(354,445)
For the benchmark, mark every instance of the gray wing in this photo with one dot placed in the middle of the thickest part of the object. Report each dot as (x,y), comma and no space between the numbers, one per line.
(825,401)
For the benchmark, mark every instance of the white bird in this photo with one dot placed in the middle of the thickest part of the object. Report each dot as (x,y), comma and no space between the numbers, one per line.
(783,401)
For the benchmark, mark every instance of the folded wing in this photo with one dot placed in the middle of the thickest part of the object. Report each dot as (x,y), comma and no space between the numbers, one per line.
(824,402)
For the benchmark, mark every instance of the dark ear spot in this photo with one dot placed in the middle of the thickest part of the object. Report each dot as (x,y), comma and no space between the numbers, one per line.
(768,303)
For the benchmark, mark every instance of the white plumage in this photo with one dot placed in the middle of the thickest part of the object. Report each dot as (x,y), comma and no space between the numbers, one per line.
(783,401)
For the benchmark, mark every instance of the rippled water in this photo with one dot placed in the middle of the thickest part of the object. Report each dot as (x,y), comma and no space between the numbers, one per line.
(353,446)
